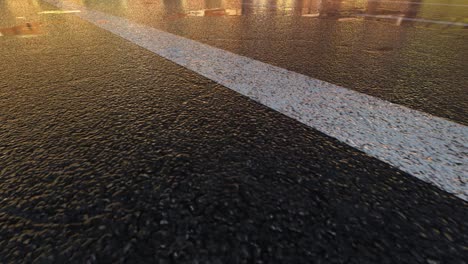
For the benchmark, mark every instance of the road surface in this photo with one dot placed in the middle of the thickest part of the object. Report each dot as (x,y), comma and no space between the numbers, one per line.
(111,152)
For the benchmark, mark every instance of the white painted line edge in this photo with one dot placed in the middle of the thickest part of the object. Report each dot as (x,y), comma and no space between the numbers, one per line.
(418,3)
(430,148)
(58,12)
(421,20)
(378,1)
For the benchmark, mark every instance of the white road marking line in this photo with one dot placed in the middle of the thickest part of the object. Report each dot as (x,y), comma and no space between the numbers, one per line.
(419,3)
(399,18)
(378,1)
(59,12)
(430,148)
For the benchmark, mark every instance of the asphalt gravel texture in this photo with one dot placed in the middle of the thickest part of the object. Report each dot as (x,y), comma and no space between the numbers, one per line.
(418,65)
(111,154)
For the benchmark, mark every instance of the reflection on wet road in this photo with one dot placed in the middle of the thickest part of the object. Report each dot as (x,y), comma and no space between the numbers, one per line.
(340,42)
(123,143)
(395,50)
(27,29)
(443,10)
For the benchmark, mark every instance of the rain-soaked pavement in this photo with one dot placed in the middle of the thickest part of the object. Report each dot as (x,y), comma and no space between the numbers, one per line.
(110,153)
(356,44)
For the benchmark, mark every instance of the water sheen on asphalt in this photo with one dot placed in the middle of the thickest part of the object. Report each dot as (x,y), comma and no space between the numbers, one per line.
(111,154)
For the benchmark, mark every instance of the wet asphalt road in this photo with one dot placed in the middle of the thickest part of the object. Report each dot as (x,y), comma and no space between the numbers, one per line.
(409,64)
(109,153)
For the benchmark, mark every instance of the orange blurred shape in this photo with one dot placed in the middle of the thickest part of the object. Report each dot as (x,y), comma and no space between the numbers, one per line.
(23,29)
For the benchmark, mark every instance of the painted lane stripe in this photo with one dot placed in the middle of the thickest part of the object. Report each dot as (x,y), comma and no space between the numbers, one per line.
(418,3)
(399,18)
(430,148)
(378,1)
(58,12)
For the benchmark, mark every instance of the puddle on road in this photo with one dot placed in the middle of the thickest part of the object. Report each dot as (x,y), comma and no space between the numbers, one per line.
(28,29)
